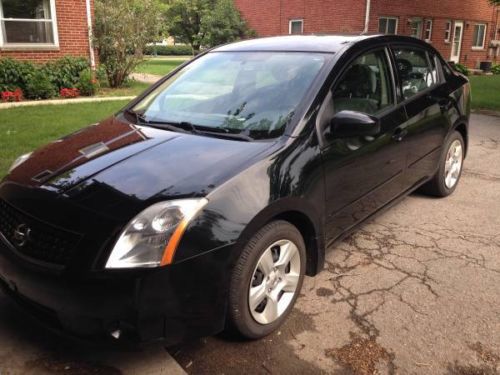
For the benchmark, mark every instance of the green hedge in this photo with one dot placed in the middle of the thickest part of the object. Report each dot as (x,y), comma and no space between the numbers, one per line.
(43,81)
(461,68)
(15,74)
(179,50)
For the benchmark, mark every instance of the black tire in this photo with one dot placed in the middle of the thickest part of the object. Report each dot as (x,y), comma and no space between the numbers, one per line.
(437,186)
(240,318)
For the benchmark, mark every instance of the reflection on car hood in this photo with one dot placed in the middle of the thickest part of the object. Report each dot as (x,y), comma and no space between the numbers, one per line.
(135,161)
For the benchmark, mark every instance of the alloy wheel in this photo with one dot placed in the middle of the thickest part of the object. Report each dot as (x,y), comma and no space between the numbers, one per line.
(274,281)
(453,166)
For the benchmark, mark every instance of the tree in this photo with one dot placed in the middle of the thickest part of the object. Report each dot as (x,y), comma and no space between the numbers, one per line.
(205,22)
(495,2)
(122,30)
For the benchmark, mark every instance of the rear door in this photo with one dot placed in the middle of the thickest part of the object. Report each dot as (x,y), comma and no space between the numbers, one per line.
(363,173)
(422,91)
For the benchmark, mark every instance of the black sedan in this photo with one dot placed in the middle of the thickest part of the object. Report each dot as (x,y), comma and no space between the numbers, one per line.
(203,203)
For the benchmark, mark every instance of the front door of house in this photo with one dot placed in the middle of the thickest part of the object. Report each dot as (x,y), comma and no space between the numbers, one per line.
(457,41)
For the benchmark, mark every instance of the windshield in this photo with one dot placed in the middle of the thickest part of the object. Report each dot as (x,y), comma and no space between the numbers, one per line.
(250,93)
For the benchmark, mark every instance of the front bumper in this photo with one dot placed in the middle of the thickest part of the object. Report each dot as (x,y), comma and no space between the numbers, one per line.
(172,304)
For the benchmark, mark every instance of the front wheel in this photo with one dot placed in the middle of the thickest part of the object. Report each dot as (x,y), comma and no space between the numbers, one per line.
(446,179)
(267,280)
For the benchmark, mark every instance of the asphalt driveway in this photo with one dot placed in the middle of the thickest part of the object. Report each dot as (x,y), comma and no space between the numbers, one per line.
(415,291)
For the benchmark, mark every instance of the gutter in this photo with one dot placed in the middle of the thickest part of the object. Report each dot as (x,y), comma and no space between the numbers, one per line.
(367,17)
(91,36)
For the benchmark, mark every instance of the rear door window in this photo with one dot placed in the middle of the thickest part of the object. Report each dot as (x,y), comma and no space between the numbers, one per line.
(415,73)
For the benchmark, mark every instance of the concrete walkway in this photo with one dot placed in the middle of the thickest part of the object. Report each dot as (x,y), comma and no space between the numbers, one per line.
(64,101)
(145,77)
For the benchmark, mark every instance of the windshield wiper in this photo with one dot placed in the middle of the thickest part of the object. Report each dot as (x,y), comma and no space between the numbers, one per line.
(187,127)
(223,134)
(172,125)
(140,119)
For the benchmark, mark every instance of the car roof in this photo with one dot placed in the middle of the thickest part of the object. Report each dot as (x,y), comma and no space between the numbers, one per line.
(306,43)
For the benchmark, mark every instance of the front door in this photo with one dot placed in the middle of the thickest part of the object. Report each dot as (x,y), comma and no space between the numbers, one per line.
(456,46)
(363,173)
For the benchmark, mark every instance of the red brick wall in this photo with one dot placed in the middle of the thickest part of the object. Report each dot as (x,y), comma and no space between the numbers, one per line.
(470,12)
(271,17)
(73,34)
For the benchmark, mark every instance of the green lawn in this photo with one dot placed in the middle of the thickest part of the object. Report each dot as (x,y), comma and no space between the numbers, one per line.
(485,92)
(23,129)
(159,66)
(133,88)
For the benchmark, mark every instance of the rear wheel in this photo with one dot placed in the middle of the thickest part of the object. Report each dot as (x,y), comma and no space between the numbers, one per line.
(446,179)
(267,280)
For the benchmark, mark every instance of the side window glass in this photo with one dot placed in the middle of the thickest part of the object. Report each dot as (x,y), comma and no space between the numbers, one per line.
(365,86)
(414,71)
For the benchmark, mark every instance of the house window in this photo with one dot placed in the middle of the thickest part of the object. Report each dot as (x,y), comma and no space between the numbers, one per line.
(447,31)
(479,36)
(296,27)
(388,25)
(416,27)
(428,30)
(28,23)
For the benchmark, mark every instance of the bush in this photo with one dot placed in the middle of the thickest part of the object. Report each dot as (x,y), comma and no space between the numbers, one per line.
(15,74)
(87,84)
(461,69)
(65,72)
(69,93)
(12,96)
(39,86)
(495,69)
(180,50)
(122,30)
(45,81)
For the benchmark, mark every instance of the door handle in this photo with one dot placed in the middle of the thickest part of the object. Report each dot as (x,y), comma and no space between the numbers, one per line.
(399,134)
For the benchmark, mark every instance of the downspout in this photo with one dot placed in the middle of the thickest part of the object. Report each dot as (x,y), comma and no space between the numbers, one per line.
(91,37)
(367,17)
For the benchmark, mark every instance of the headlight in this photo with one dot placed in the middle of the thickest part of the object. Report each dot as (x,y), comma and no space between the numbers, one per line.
(151,238)
(20,160)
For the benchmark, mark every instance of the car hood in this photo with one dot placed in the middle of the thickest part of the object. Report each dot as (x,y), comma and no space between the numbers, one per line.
(138,162)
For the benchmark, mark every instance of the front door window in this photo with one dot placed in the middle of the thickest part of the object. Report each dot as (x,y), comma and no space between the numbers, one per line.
(366,85)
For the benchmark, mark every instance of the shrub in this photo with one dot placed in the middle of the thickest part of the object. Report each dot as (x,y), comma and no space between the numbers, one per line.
(495,69)
(180,50)
(87,83)
(12,96)
(15,74)
(461,69)
(65,72)
(69,93)
(122,30)
(39,86)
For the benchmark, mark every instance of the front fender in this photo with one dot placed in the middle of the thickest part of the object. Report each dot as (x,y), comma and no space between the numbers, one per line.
(265,191)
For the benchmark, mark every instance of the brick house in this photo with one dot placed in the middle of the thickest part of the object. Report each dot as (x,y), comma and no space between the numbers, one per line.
(463,31)
(42,30)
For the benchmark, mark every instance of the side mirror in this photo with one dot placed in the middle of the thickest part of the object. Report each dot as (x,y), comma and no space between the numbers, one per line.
(353,124)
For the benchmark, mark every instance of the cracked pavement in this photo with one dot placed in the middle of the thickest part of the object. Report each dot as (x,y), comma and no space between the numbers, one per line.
(414,291)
